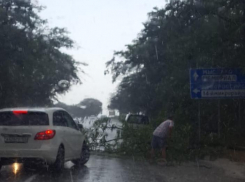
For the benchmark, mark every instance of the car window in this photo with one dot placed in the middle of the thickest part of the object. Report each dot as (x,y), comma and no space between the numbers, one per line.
(23,119)
(59,120)
(70,121)
(137,119)
(145,120)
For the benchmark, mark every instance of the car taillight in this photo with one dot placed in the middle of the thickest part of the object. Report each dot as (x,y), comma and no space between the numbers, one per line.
(45,135)
(20,112)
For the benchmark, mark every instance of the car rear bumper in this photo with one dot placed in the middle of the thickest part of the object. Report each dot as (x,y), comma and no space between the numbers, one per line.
(46,155)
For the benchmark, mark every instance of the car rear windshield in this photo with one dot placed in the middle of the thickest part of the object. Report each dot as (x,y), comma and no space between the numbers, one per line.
(23,119)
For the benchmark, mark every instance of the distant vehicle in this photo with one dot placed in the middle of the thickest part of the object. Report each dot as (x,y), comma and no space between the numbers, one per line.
(137,120)
(46,135)
(103,116)
(112,113)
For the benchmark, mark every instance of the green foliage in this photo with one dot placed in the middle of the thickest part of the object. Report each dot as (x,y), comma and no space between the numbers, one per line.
(92,106)
(31,59)
(211,145)
(136,141)
(155,66)
(96,135)
(181,36)
(178,146)
(122,117)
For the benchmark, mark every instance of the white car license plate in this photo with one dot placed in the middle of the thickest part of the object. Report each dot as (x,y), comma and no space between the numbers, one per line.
(15,139)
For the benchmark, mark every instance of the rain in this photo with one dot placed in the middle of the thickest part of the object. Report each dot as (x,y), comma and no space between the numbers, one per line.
(167,106)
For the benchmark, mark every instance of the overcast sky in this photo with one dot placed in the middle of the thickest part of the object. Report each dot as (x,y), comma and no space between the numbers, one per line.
(99,27)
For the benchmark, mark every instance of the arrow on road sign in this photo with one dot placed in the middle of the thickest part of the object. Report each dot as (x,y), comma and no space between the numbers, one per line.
(195,75)
(196,91)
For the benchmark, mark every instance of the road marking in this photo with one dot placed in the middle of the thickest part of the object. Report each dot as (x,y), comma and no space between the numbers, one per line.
(31,178)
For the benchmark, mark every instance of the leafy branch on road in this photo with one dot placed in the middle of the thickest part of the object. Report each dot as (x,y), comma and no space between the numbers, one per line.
(135,141)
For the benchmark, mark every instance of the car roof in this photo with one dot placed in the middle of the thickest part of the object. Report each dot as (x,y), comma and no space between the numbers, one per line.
(136,114)
(39,109)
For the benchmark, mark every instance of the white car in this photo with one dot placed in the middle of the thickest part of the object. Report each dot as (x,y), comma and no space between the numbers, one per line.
(137,120)
(47,135)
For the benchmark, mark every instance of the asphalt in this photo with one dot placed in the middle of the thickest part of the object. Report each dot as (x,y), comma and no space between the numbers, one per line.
(110,169)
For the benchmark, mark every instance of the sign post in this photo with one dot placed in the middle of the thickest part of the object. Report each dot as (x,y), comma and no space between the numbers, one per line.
(239,114)
(199,121)
(216,84)
(219,120)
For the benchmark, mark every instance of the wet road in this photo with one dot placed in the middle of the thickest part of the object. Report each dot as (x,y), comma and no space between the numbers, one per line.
(108,169)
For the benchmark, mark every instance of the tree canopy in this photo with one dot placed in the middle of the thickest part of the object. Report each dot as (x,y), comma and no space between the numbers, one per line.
(185,34)
(86,107)
(32,62)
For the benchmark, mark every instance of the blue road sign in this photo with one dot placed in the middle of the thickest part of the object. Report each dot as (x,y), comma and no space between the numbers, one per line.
(217,83)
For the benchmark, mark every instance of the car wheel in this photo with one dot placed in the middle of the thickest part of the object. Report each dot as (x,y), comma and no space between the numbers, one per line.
(60,160)
(85,154)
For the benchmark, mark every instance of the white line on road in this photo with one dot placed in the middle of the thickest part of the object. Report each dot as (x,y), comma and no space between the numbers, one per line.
(31,178)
